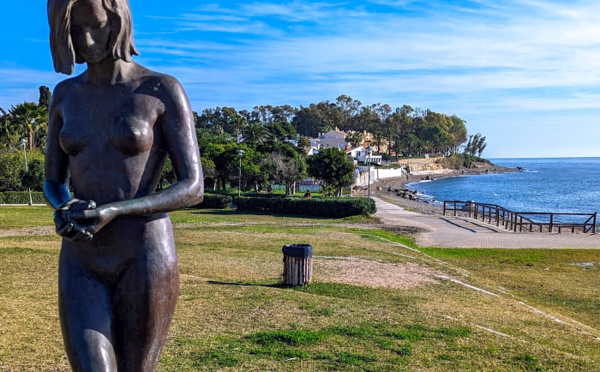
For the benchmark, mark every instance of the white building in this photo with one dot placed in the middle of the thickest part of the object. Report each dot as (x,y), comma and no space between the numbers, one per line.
(333,138)
(360,155)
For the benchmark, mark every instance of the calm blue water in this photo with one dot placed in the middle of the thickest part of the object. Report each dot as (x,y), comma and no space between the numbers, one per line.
(560,185)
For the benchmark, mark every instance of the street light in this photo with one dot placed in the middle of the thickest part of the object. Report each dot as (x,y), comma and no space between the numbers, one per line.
(240,153)
(23,142)
(369,152)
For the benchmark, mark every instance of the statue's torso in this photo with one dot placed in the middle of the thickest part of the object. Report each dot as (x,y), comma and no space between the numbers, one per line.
(112,136)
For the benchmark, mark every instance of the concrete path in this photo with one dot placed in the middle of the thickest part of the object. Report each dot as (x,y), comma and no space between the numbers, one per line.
(463,232)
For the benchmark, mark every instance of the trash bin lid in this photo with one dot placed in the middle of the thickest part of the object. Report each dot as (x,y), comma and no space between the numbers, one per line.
(298,250)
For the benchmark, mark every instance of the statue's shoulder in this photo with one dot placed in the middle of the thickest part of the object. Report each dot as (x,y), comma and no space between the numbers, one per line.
(61,91)
(168,82)
(66,86)
(163,84)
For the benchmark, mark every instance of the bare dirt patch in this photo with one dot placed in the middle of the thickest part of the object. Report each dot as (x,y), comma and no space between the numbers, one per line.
(24,231)
(373,274)
(405,230)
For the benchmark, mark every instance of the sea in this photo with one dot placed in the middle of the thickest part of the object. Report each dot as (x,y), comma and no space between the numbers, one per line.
(553,185)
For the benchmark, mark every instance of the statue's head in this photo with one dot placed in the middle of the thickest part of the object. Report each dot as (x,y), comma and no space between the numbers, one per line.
(63,51)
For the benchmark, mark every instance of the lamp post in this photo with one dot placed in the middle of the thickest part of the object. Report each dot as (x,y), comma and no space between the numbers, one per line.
(240,153)
(23,143)
(369,152)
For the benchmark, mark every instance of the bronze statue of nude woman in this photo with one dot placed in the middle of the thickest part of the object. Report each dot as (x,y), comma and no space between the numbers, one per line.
(110,131)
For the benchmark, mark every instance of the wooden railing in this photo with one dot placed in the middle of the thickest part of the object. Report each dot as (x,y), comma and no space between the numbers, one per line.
(518,221)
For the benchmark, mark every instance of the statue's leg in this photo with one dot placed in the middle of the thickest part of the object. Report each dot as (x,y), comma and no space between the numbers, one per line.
(85,308)
(145,303)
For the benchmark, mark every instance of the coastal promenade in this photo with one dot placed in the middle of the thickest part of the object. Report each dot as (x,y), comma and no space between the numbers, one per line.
(463,232)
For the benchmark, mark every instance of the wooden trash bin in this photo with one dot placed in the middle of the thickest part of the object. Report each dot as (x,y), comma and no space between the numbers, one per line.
(297,264)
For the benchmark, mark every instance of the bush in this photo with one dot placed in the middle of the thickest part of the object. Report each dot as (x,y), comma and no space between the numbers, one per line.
(35,177)
(12,167)
(261,195)
(232,192)
(459,161)
(321,207)
(215,201)
(21,197)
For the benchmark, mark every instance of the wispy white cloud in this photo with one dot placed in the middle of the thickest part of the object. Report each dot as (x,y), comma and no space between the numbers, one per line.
(475,58)
(550,49)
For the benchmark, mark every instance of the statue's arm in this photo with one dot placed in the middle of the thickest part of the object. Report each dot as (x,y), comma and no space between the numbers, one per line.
(56,183)
(179,138)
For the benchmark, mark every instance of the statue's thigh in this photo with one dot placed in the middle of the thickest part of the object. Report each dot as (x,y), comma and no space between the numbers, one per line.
(145,301)
(86,315)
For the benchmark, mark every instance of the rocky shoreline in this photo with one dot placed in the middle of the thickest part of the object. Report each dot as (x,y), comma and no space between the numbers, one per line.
(380,188)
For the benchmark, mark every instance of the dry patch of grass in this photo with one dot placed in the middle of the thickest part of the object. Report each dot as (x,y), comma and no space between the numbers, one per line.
(374,274)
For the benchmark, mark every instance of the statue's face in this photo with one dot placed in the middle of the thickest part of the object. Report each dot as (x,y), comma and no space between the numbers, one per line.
(90,30)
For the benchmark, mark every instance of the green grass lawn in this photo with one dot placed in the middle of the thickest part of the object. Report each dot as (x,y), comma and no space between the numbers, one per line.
(378,302)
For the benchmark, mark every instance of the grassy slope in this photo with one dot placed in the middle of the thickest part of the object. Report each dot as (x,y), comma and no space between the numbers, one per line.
(233,315)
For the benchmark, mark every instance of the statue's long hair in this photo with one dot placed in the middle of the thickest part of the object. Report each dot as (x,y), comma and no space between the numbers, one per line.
(64,54)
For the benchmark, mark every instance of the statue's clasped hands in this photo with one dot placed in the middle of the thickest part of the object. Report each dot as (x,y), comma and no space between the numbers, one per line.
(78,220)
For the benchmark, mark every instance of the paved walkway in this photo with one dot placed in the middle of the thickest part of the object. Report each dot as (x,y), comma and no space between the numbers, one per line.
(463,232)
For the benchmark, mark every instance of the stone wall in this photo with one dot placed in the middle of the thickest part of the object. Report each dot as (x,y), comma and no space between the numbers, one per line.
(417,166)
(420,165)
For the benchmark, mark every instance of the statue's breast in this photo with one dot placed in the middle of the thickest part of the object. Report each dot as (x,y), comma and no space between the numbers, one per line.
(96,123)
(74,138)
(130,135)
(127,135)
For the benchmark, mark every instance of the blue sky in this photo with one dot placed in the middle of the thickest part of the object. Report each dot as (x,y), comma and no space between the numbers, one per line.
(524,73)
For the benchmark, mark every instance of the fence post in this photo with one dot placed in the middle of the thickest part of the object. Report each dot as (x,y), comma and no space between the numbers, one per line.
(551,222)
(445,207)
(520,223)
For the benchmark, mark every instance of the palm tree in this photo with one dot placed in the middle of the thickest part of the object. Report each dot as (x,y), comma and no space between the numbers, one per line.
(32,121)
(256,133)
(9,133)
(355,138)
(378,136)
(304,142)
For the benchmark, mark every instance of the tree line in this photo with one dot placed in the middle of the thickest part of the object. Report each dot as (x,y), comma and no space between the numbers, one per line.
(263,135)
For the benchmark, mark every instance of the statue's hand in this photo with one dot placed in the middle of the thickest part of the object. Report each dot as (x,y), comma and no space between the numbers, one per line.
(66,226)
(93,220)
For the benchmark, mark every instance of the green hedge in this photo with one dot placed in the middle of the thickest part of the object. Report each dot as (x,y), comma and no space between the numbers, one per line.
(262,195)
(321,207)
(215,201)
(21,197)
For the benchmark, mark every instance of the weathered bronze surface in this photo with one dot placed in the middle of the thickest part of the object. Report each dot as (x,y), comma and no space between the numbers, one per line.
(110,132)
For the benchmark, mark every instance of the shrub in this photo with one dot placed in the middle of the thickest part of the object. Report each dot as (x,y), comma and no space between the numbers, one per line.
(321,207)
(21,197)
(12,168)
(261,195)
(458,161)
(215,201)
